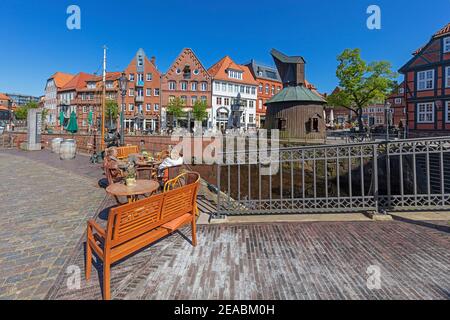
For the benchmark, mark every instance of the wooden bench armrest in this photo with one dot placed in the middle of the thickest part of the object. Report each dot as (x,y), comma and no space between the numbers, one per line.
(94,225)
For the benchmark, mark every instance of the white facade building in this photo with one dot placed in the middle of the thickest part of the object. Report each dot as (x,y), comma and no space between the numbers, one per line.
(232,83)
(54,83)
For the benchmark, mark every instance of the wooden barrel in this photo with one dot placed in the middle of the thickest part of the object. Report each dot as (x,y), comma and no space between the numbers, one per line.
(56,143)
(68,149)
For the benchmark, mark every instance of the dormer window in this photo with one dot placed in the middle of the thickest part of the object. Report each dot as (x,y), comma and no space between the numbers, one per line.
(233,74)
(447,45)
(91,85)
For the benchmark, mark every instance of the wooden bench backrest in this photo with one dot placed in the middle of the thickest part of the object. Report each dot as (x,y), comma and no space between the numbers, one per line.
(134,219)
(179,201)
(123,152)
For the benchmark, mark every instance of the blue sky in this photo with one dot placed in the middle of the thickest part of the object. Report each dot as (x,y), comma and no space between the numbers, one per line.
(36,41)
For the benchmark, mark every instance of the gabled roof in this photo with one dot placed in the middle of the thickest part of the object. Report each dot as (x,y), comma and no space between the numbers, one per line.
(261,71)
(445,31)
(187,51)
(4,97)
(77,82)
(61,79)
(219,71)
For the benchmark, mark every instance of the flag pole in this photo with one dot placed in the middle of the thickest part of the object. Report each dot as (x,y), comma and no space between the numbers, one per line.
(102,142)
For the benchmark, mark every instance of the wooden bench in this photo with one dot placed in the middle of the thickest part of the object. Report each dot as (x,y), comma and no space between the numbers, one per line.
(124,152)
(134,226)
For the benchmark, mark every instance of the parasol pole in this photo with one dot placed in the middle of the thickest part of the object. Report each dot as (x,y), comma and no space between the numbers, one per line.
(102,142)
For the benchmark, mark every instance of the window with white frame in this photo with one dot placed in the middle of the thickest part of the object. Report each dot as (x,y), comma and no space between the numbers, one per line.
(131,92)
(172,85)
(447,45)
(447,77)
(398,100)
(204,86)
(131,76)
(149,77)
(184,85)
(260,104)
(260,88)
(148,92)
(156,107)
(217,86)
(148,107)
(401,91)
(425,112)
(194,86)
(425,80)
(447,111)
(233,74)
(224,87)
(156,92)
(131,107)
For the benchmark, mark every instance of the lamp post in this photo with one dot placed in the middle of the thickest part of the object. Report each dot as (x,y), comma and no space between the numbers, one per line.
(387,111)
(123,85)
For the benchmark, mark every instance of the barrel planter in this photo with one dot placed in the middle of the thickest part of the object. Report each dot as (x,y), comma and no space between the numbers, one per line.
(68,149)
(56,143)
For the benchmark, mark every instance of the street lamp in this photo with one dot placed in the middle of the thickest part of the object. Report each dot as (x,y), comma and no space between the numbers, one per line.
(123,85)
(387,111)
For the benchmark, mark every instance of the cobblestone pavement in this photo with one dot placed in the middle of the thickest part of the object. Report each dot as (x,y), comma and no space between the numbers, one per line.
(43,216)
(317,260)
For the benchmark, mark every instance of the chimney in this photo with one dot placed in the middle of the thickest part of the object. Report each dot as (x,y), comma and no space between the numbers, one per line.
(153,60)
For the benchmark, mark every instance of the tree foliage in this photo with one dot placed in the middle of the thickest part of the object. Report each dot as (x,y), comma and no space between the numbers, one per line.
(175,108)
(361,83)
(21,112)
(111,110)
(199,110)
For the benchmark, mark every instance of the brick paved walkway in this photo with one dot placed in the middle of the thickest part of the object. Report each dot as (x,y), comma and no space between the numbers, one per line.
(43,215)
(286,261)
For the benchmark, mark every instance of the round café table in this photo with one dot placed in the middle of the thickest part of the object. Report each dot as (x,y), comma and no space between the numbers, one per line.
(133,192)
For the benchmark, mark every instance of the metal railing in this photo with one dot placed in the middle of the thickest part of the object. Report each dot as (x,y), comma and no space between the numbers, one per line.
(371,176)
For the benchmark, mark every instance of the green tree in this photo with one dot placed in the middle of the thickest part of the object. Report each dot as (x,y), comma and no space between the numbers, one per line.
(361,83)
(175,108)
(111,110)
(21,112)
(199,110)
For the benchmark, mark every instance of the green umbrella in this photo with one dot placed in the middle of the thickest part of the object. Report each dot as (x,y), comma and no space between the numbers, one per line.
(61,118)
(73,125)
(90,117)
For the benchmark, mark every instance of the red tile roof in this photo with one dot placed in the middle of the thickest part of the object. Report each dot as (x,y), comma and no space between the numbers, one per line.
(61,79)
(445,30)
(77,82)
(4,97)
(219,71)
(109,76)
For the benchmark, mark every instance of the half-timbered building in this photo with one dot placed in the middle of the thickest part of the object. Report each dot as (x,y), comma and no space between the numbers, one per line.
(427,86)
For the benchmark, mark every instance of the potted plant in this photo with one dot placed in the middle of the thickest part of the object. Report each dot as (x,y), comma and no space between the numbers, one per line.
(130,177)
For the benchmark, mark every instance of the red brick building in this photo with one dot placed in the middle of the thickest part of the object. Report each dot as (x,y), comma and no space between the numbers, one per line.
(398,106)
(188,80)
(67,96)
(89,98)
(427,86)
(142,102)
